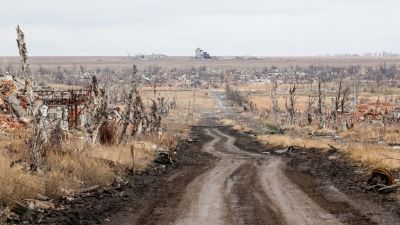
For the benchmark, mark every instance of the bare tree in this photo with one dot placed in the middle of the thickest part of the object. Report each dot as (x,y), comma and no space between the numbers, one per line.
(39,138)
(23,53)
(311,101)
(290,108)
(40,128)
(320,107)
(274,98)
(95,112)
(340,102)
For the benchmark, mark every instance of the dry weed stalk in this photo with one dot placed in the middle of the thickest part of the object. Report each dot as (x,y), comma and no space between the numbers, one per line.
(133,155)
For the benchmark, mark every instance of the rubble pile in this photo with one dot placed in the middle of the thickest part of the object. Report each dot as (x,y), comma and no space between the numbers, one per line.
(13,106)
(373,111)
(6,87)
(9,125)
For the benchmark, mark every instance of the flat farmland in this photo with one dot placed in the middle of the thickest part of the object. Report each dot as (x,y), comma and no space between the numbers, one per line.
(92,62)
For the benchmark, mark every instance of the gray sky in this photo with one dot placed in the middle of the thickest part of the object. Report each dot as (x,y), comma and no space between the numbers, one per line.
(221,27)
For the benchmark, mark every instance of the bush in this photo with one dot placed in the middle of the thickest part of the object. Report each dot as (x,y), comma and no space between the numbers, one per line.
(108,133)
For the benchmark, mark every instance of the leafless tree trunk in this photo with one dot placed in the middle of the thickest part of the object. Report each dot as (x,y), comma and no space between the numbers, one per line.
(356,88)
(320,107)
(39,138)
(339,102)
(96,112)
(290,108)
(126,117)
(23,53)
(311,101)
(274,97)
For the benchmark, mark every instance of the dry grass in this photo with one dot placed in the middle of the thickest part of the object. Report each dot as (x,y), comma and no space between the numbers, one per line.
(185,97)
(142,155)
(286,141)
(264,102)
(63,172)
(372,133)
(67,171)
(15,183)
(236,125)
(369,155)
(374,155)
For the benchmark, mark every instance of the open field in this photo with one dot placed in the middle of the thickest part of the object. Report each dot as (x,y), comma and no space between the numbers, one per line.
(91,62)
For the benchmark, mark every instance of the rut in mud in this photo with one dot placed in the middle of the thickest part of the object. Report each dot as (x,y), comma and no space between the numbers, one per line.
(246,188)
(221,183)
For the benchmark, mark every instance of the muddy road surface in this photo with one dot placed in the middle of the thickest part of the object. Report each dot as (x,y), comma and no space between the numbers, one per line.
(245,188)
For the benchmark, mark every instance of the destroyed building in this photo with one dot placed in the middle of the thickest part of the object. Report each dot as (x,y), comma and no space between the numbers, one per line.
(201,54)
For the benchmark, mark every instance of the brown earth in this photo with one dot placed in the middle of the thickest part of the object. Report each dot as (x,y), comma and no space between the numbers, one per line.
(222,179)
(157,186)
(228,177)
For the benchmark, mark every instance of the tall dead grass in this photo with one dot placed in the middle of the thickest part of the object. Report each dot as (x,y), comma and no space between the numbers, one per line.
(236,125)
(373,133)
(374,155)
(138,159)
(368,154)
(69,172)
(286,141)
(75,166)
(15,183)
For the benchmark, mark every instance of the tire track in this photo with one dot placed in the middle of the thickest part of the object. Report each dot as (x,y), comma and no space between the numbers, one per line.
(296,207)
(246,188)
(204,199)
(248,203)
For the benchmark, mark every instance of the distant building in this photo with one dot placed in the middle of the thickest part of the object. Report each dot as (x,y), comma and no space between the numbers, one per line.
(200,54)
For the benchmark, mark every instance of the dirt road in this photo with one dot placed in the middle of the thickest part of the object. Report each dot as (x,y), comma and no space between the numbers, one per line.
(252,185)
(246,188)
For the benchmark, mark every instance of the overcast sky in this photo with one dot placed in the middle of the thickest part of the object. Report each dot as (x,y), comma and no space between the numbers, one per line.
(221,27)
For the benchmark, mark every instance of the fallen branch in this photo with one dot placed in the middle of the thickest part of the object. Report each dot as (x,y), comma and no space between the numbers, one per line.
(333,147)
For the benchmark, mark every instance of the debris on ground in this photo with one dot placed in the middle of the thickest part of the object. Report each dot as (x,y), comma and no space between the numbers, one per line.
(322,134)
(36,204)
(8,124)
(380,176)
(381,181)
(373,111)
(281,151)
(162,156)
(7,87)
(21,209)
